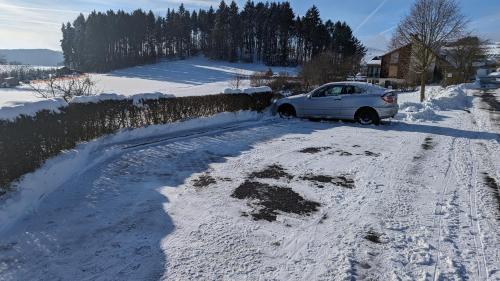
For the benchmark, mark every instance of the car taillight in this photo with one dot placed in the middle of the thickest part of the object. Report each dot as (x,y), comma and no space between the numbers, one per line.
(390,98)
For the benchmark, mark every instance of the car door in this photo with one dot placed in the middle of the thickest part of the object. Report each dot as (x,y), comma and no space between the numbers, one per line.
(324,102)
(353,97)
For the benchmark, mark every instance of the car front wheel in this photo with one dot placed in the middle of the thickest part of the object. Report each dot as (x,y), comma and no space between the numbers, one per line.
(287,111)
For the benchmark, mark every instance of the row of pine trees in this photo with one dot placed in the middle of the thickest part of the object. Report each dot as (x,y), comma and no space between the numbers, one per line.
(267,32)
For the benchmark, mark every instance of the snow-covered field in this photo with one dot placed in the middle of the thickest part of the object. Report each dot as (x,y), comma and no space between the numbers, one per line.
(190,77)
(270,199)
(10,67)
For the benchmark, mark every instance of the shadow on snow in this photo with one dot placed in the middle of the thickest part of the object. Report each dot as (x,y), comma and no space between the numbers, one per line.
(108,222)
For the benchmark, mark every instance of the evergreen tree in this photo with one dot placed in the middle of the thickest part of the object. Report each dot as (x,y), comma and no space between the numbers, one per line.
(268,32)
(234,28)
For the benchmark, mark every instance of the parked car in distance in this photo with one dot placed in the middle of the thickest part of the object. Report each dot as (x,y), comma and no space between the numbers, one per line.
(363,102)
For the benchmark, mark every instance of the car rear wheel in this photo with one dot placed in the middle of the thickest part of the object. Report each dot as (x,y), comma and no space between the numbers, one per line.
(367,116)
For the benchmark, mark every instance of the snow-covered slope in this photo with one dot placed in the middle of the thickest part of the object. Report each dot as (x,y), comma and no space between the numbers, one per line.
(193,76)
(401,201)
(190,77)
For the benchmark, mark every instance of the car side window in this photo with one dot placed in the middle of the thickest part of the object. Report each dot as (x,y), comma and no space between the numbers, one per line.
(359,90)
(328,91)
(335,90)
(351,90)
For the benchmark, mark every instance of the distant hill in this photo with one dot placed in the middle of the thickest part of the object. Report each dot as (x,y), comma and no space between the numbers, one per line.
(39,57)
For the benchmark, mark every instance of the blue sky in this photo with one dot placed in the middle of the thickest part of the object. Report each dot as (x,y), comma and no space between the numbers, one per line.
(36,23)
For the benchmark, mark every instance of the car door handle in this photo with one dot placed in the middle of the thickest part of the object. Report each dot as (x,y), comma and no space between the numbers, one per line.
(337,98)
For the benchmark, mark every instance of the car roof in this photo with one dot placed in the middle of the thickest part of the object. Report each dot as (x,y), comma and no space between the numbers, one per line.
(354,83)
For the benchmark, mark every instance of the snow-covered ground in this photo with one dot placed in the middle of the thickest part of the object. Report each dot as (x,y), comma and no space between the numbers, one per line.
(190,77)
(412,199)
(10,67)
(436,98)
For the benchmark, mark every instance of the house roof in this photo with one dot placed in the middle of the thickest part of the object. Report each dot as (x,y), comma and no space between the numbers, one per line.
(374,62)
(395,49)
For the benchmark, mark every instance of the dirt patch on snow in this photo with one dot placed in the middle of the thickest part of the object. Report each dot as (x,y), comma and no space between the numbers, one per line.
(225,179)
(490,99)
(373,237)
(373,154)
(492,183)
(343,181)
(347,153)
(312,150)
(271,172)
(323,218)
(493,107)
(428,143)
(268,200)
(203,181)
(341,152)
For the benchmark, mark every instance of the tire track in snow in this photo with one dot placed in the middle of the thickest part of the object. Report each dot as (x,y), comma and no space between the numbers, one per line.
(440,207)
(365,265)
(475,218)
(464,168)
(472,162)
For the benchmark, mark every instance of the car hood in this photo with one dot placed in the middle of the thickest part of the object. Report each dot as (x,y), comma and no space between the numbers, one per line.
(293,98)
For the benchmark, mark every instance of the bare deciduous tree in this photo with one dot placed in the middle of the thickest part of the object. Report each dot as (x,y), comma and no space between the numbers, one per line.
(326,67)
(236,80)
(65,88)
(259,79)
(430,24)
(463,54)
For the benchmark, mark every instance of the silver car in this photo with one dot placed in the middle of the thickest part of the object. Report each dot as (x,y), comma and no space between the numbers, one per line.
(363,102)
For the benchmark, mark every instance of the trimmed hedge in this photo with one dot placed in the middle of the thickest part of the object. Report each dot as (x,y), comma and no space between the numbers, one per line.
(28,141)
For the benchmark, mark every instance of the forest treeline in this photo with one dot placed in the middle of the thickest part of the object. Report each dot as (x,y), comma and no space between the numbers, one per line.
(267,32)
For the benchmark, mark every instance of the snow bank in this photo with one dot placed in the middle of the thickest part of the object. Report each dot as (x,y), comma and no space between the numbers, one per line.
(149,96)
(33,187)
(98,98)
(450,98)
(453,97)
(138,98)
(231,91)
(11,112)
(411,111)
(31,108)
(248,91)
(255,90)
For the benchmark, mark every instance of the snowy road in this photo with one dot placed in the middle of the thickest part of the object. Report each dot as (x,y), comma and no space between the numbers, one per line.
(401,201)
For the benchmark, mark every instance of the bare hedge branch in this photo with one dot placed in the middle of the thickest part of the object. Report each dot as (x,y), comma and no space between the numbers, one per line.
(66,88)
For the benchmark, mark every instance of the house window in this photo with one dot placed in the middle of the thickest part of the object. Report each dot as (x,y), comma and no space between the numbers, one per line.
(395,57)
